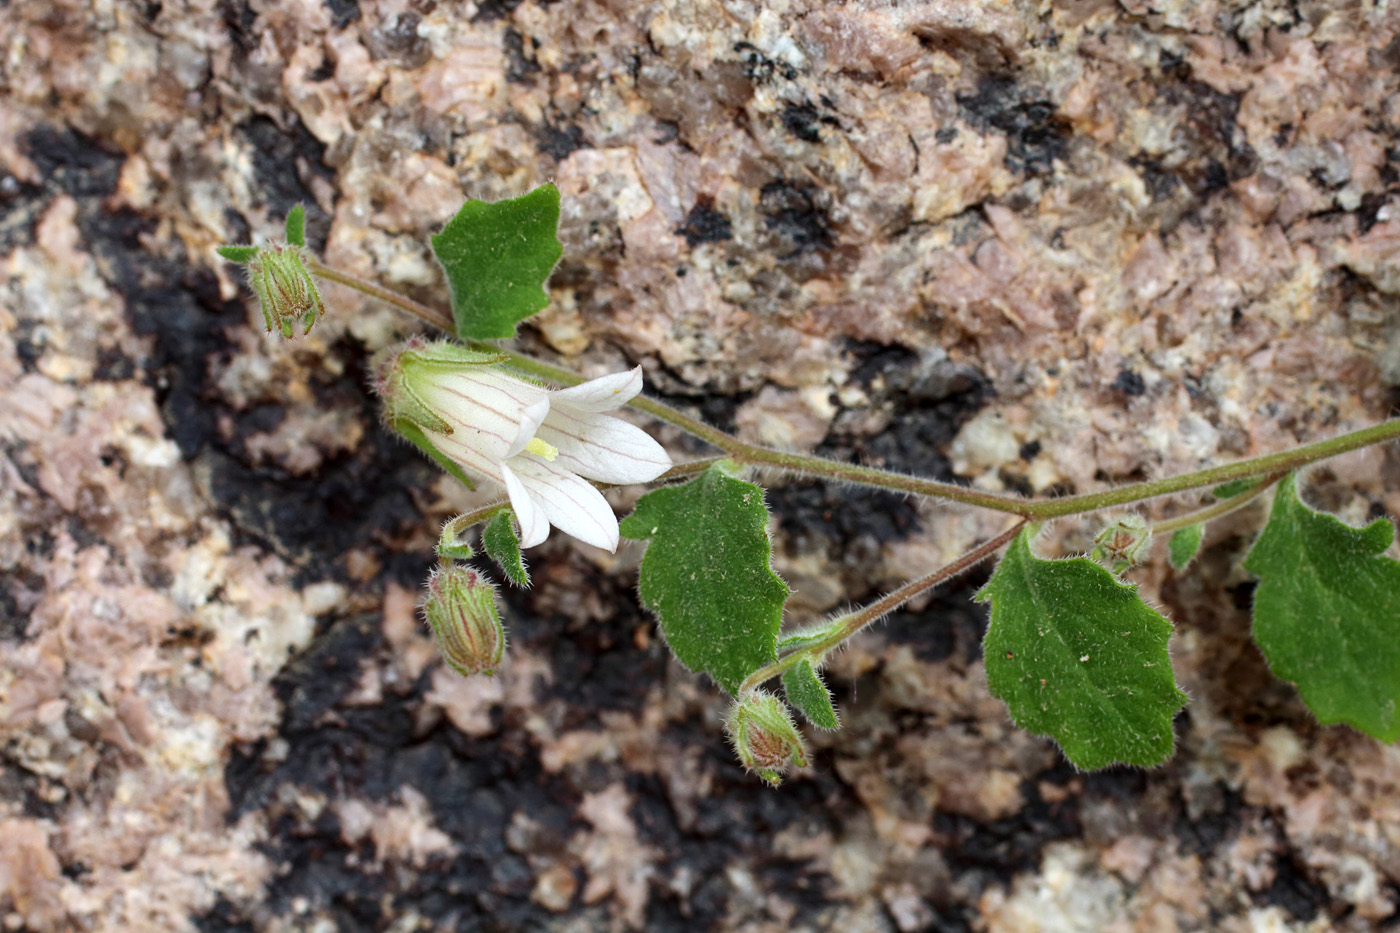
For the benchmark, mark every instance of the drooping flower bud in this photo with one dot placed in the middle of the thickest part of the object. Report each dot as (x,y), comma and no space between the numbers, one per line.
(765,737)
(1122,544)
(285,288)
(461,611)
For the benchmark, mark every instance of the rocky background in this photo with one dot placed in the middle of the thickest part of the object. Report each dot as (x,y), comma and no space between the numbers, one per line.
(1033,246)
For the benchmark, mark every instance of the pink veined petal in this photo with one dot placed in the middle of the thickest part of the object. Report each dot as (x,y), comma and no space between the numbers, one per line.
(569,502)
(530,420)
(534,526)
(602,394)
(484,408)
(604,449)
(468,455)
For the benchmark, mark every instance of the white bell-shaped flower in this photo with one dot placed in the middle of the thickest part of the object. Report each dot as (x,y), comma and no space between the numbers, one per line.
(543,445)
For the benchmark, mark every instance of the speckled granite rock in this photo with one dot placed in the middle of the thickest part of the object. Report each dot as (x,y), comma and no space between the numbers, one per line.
(1034,246)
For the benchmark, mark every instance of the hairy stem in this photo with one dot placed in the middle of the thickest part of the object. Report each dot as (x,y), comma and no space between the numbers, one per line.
(433,316)
(1037,509)
(1223,507)
(851,624)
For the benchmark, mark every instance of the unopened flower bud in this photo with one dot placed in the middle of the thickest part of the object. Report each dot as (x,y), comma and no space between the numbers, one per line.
(461,610)
(765,737)
(285,288)
(1122,544)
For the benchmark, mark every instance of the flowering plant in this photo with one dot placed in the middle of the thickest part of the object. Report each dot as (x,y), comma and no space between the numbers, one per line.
(546,447)
(1071,648)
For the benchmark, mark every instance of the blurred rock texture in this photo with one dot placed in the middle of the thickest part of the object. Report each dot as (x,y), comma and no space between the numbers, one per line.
(1036,246)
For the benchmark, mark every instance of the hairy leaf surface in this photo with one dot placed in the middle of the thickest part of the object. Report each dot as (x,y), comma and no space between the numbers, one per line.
(1327,613)
(1078,656)
(497,258)
(707,574)
(503,546)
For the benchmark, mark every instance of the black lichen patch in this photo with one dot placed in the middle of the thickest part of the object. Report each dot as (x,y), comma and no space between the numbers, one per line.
(1294,891)
(950,626)
(759,68)
(343,12)
(794,212)
(558,142)
(735,825)
(1036,135)
(1129,383)
(239,18)
(851,520)
(597,664)
(521,63)
(75,164)
(704,224)
(489,11)
(472,787)
(313,520)
(805,122)
(1211,152)
(1003,848)
(284,161)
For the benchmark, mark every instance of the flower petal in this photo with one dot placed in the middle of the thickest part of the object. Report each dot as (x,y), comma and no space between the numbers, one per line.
(534,526)
(568,501)
(484,408)
(602,394)
(530,420)
(604,449)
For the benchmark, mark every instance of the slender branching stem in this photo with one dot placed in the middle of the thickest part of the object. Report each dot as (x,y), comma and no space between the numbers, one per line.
(430,315)
(467,519)
(849,625)
(1037,509)
(1223,507)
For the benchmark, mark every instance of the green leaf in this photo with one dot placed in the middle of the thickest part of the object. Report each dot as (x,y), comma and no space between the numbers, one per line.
(238,253)
(500,541)
(296,225)
(415,436)
(806,691)
(1078,656)
(1184,544)
(1234,487)
(1327,613)
(497,258)
(706,574)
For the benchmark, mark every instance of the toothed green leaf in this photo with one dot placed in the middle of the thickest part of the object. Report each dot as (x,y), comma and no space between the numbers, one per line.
(1078,656)
(1327,613)
(497,258)
(707,574)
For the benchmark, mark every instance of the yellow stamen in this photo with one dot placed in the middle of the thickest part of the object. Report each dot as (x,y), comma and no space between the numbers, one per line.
(540,449)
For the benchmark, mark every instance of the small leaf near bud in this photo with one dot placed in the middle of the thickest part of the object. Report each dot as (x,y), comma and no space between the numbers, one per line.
(240,254)
(461,611)
(1122,544)
(764,736)
(296,225)
(453,544)
(285,288)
